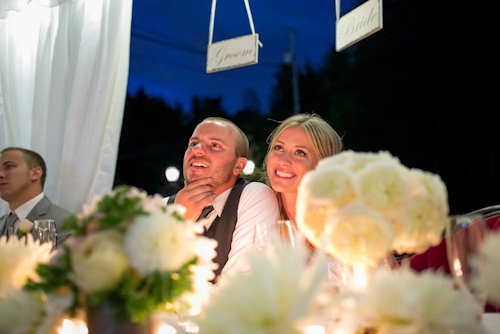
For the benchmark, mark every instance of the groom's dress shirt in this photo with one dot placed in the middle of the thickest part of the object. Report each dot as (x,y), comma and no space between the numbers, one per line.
(257,205)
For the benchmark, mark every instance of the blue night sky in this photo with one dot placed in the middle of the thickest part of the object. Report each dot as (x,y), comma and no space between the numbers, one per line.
(169,43)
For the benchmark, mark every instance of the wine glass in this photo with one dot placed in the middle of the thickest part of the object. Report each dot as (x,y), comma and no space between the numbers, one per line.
(339,274)
(465,234)
(268,235)
(45,230)
(286,231)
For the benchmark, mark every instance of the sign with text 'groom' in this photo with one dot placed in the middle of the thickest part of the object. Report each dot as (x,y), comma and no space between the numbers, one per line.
(231,53)
(359,23)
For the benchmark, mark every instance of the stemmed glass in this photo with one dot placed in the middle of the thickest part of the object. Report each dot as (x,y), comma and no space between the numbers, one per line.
(45,231)
(465,234)
(268,235)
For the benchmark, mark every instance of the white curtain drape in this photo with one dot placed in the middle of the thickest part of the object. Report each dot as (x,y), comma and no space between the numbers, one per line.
(63,79)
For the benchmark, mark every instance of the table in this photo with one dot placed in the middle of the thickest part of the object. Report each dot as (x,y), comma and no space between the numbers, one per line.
(491,323)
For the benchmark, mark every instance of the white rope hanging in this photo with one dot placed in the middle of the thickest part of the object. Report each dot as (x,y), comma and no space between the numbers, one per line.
(337,9)
(212,21)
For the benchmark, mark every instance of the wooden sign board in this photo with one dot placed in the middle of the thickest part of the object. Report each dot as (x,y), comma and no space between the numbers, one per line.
(359,23)
(232,53)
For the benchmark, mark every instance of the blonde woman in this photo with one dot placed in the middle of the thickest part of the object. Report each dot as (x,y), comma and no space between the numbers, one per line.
(295,147)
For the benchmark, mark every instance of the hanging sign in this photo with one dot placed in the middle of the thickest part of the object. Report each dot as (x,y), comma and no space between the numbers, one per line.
(235,52)
(359,23)
(232,53)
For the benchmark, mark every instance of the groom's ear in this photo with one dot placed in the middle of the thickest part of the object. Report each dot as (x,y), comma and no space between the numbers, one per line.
(241,162)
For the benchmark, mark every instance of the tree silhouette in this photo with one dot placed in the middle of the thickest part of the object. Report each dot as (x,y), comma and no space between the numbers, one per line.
(149,140)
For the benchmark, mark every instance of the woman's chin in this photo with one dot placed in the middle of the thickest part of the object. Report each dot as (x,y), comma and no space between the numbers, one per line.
(282,186)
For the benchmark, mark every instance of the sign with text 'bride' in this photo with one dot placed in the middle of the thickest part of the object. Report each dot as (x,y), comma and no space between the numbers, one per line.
(234,52)
(359,23)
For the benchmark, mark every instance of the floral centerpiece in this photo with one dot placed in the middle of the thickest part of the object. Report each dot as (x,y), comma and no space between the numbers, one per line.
(23,311)
(277,292)
(404,301)
(136,255)
(361,206)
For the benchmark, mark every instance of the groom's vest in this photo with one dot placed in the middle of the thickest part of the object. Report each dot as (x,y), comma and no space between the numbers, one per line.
(222,228)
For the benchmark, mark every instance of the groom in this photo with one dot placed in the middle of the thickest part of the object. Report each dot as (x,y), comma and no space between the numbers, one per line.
(215,157)
(22,177)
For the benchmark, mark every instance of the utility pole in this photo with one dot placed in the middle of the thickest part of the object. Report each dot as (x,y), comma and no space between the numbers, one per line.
(295,74)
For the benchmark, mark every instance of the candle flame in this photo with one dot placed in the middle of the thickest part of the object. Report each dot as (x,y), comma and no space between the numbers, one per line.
(315,329)
(360,280)
(458,268)
(166,329)
(73,327)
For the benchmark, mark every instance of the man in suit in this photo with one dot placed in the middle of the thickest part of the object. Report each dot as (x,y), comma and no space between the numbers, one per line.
(22,177)
(213,161)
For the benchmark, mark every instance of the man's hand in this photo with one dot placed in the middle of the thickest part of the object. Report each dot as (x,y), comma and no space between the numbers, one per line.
(195,196)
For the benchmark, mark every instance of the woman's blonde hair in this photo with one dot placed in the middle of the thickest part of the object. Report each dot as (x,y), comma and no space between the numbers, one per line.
(325,140)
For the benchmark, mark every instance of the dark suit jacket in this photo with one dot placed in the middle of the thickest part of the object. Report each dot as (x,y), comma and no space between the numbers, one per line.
(45,210)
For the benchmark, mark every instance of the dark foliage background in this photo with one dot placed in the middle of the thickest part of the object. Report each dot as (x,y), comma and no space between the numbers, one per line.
(419,88)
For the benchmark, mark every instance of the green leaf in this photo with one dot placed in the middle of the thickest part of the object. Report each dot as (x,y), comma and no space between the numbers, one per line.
(72,223)
(52,278)
(65,259)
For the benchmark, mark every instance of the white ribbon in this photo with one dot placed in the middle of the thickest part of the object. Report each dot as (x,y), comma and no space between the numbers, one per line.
(212,21)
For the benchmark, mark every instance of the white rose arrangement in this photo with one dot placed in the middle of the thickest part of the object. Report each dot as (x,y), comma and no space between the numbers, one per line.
(135,254)
(99,262)
(22,310)
(361,206)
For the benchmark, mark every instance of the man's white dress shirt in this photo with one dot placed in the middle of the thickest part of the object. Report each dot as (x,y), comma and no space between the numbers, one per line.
(23,210)
(258,204)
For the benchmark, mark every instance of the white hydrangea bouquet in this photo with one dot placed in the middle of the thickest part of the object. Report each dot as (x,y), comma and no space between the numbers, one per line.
(361,206)
(21,310)
(404,301)
(135,254)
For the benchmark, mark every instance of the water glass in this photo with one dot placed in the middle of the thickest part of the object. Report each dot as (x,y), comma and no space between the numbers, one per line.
(465,234)
(268,235)
(45,231)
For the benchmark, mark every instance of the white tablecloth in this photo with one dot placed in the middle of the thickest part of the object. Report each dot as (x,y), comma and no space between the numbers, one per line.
(491,322)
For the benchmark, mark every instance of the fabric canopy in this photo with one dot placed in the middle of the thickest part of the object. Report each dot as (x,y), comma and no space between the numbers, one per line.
(63,79)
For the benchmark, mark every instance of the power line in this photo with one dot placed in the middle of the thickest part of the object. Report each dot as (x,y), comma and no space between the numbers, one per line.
(196,68)
(164,41)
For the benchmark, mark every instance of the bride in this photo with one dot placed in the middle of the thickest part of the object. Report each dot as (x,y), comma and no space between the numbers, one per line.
(295,147)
